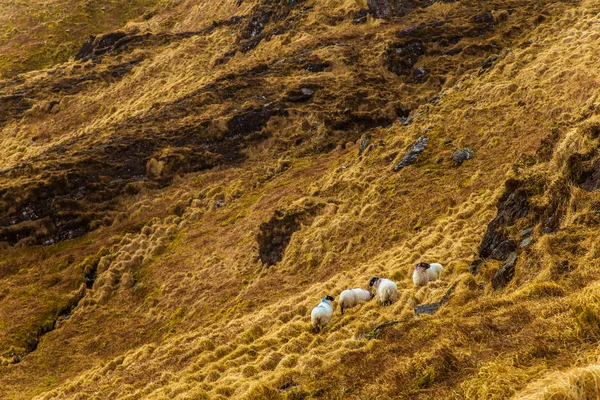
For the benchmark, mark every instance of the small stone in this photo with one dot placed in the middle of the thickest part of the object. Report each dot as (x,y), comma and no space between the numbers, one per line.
(487,64)
(304,94)
(526,232)
(364,143)
(526,242)
(406,121)
(462,155)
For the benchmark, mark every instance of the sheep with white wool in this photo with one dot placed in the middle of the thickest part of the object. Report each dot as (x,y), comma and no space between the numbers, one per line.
(387,291)
(425,273)
(351,297)
(321,314)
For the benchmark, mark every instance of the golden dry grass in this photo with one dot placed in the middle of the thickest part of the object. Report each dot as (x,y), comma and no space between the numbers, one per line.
(182,308)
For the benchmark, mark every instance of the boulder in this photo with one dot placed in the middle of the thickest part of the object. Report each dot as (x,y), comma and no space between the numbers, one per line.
(462,155)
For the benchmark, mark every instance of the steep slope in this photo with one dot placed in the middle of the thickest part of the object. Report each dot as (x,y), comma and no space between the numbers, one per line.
(176,201)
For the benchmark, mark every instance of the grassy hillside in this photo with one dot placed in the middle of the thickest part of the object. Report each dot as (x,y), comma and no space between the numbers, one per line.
(177,196)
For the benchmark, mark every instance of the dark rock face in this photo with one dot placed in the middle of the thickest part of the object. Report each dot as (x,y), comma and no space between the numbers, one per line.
(503,250)
(413,154)
(419,75)
(317,67)
(512,206)
(485,18)
(13,106)
(590,179)
(361,16)
(401,58)
(462,155)
(252,121)
(301,95)
(97,45)
(488,63)
(505,273)
(395,8)
(275,235)
(475,266)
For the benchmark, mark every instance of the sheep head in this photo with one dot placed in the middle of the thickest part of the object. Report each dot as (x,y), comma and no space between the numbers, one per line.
(373,281)
(422,265)
(330,298)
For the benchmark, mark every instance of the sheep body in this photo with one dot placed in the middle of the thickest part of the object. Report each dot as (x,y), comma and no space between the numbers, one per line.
(321,314)
(387,291)
(425,273)
(351,297)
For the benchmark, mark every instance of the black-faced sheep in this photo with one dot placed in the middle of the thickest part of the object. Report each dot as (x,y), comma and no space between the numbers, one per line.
(351,297)
(425,273)
(387,291)
(321,314)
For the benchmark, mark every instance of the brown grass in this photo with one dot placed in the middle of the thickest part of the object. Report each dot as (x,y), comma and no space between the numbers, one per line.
(182,308)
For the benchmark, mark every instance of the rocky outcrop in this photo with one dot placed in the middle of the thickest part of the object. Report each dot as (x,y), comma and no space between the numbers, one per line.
(413,154)
(513,205)
(505,273)
(98,45)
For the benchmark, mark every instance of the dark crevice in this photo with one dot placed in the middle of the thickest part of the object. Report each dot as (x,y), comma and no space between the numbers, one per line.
(64,312)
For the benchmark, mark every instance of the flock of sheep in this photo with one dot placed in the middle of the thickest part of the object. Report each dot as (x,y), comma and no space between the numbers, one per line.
(387,292)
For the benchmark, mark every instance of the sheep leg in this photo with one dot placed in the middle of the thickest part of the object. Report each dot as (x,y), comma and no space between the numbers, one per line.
(342,310)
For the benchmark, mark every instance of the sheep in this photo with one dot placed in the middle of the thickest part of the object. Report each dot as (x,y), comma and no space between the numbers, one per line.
(351,297)
(387,291)
(425,273)
(321,314)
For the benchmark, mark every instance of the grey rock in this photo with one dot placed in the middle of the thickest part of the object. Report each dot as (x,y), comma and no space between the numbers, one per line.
(413,154)
(526,232)
(503,250)
(505,273)
(406,121)
(526,242)
(364,143)
(487,64)
(298,96)
(462,155)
